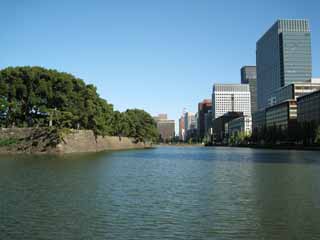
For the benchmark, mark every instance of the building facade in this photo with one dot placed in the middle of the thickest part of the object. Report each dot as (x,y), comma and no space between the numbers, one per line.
(292,92)
(203,108)
(283,115)
(240,125)
(208,123)
(165,127)
(249,76)
(259,119)
(181,129)
(230,98)
(283,56)
(220,125)
(189,121)
(309,108)
(161,116)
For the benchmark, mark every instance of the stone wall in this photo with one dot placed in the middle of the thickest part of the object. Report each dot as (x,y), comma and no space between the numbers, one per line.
(84,141)
(42,140)
(17,133)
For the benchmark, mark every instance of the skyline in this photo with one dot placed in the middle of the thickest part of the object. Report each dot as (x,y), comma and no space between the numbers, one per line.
(132,52)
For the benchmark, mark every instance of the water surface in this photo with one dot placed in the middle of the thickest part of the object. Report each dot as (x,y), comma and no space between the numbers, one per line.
(163,193)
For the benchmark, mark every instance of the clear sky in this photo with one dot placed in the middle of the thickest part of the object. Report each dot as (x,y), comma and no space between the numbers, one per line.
(158,55)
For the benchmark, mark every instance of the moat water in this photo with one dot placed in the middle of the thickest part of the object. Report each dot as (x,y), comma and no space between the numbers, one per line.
(162,193)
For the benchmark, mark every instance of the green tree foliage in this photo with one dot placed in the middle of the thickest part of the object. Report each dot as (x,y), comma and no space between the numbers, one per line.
(239,138)
(301,133)
(135,123)
(34,96)
(3,108)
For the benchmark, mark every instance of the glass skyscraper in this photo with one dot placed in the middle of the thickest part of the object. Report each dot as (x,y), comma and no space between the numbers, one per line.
(283,57)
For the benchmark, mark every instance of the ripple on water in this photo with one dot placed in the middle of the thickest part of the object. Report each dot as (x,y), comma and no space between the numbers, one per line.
(162,193)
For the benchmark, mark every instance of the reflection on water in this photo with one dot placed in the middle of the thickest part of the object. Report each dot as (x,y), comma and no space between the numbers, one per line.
(163,193)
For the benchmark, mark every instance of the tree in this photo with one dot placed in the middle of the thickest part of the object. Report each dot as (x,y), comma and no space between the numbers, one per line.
(3,110)
(141,125)
(34,96)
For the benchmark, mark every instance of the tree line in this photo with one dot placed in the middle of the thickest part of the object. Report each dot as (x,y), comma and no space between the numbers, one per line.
(306,133)
(298,133)
(39,97)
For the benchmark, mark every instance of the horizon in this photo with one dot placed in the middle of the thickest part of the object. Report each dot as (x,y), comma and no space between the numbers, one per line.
(133,51)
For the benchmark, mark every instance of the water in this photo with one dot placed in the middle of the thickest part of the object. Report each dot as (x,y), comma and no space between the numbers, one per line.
(164,193)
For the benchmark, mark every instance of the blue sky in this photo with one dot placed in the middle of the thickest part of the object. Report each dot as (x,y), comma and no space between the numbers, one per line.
(158,55)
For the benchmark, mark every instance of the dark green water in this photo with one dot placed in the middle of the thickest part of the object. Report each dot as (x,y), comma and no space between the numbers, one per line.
(164,193)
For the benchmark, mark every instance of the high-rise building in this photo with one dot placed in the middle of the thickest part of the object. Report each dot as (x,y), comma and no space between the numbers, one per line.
(208,123)
(181,129)
(249,76)
(230,98)
(189,121)
(166,127)
(203,108)
(283,56)
(190,124)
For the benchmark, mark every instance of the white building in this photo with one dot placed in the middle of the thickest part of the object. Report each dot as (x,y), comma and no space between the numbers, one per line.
(189,121)
(230,98)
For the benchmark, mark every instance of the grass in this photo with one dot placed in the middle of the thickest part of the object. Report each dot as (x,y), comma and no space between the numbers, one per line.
(8,142)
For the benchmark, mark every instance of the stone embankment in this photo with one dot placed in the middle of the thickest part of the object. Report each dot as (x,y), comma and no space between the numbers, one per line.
(46,140)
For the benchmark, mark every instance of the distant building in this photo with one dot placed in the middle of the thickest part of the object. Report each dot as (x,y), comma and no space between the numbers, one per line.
(309,108)
(203,108)
(240,125)
(283,57)
(292,92)
(249,76)
(166,127)
(196,121)
(189,121)
(161,116)
(191,134)
(220,125)
(181,129)
(230,98)
(208,132)
(207,122)
(283,115)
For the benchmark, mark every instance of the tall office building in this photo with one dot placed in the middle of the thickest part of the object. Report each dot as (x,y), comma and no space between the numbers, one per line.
(203,107)
(249,76)
(283,57)
(207,123)
(230,98)
(181,129)
(189,121)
